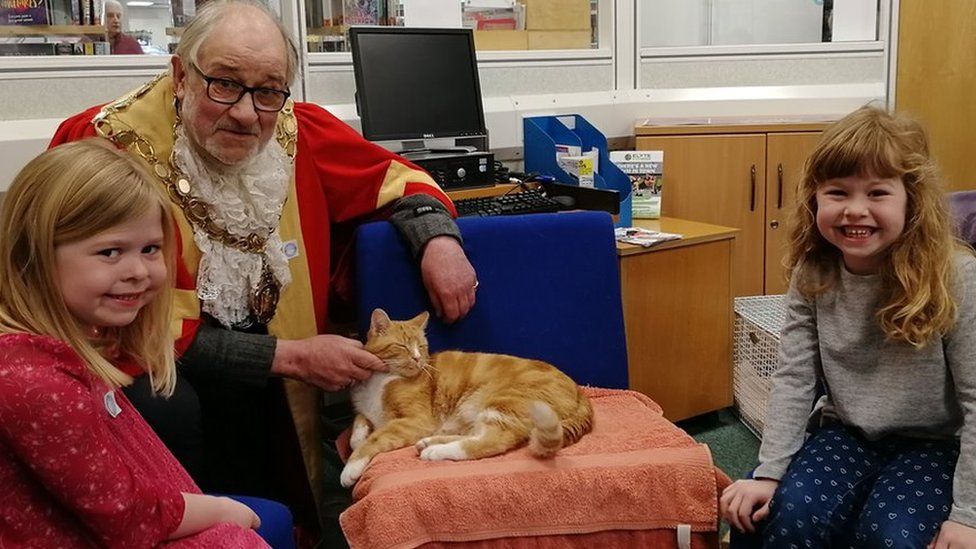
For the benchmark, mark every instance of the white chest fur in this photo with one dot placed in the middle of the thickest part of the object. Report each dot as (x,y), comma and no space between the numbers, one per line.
(367,397)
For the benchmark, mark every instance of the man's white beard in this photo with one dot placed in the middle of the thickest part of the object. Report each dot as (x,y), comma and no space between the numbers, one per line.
(243,199)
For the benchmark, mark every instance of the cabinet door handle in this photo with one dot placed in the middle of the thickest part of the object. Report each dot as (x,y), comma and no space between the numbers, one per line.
(779,186)
(752,189)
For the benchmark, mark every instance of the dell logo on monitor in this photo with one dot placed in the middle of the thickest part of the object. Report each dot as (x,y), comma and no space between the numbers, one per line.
(428,136)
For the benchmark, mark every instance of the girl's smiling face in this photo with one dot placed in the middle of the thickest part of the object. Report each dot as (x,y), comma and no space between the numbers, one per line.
(862,215)
(107,278)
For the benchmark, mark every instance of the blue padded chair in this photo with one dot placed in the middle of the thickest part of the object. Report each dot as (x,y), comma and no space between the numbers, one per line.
(549,289)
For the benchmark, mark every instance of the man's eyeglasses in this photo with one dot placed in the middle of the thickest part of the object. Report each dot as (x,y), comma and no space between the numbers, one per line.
(229,92)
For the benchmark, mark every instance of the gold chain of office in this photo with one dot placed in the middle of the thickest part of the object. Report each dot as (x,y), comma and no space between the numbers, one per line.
(263,301)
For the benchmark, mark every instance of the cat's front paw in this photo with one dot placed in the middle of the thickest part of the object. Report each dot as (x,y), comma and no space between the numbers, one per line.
(352,472)
(360,432)
(440,452)
(423,443)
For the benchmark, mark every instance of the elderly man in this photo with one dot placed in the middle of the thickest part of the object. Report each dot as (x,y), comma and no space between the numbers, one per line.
(119,42)
(259,186)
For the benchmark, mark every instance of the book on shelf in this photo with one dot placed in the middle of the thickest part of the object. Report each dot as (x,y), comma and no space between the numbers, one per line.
(35,48)
(59,12)
(24,12)
(356,12)
(492,17)
(645,170)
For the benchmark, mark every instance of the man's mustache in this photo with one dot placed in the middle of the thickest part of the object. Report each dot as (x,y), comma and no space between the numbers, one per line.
(238,129)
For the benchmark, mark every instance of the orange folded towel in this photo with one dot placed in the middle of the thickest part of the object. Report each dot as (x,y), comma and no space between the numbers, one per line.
(634,471)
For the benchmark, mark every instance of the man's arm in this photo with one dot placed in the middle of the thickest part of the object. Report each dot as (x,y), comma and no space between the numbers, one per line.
(329,362)
(220,353)
(435,240)
(421,217)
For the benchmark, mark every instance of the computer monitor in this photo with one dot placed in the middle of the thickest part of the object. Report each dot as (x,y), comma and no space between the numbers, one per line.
(414,84)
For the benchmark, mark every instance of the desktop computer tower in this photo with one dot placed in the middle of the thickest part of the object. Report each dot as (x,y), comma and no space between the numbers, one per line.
(454,171)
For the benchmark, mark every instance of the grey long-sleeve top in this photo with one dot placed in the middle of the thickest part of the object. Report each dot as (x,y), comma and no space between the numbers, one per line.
(877,386)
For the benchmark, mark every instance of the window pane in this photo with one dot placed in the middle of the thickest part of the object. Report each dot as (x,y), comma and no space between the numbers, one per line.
(97,27)
(498,24)
(739,22)
(86,27)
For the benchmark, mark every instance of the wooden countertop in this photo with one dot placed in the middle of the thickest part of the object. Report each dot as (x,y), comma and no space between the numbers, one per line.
(692,232)
(726,128)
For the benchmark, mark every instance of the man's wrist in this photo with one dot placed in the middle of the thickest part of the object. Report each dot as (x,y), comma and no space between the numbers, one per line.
(286,359)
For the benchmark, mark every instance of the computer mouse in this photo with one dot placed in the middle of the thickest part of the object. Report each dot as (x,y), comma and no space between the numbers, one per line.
(565,202)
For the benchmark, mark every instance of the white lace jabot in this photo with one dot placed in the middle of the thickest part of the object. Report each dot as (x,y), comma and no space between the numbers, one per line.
(245,200)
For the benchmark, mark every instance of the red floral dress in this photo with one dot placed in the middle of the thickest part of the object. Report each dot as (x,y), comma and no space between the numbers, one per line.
(79,467)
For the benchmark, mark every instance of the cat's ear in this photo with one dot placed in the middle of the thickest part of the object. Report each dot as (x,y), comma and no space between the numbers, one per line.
(379,322)
(421,320)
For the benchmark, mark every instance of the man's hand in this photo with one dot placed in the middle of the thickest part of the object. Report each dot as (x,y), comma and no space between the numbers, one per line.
(953,535)
(746,502)
(449,278)
(331,362)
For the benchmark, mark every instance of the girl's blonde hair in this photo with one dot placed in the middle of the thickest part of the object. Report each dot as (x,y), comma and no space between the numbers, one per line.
(65,195)
(917,305)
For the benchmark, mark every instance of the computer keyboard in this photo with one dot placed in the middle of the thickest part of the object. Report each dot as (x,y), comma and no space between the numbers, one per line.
(528,201)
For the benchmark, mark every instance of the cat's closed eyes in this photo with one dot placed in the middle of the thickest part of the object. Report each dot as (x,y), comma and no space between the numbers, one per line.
(457,405)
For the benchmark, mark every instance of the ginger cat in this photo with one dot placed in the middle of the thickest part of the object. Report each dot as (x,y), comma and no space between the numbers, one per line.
(458,405)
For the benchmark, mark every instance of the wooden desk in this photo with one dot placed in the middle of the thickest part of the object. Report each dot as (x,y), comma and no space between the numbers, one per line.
(478,192)
(677,301)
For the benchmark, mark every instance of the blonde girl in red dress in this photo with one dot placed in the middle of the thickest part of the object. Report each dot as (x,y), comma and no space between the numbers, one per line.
(85,301)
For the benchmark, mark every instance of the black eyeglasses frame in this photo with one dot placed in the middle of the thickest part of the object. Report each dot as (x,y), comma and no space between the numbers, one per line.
(244,90)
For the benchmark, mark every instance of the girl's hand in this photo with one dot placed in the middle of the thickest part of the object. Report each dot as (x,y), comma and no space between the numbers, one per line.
(202,511)
(953,535)
(746,502)
(234,511)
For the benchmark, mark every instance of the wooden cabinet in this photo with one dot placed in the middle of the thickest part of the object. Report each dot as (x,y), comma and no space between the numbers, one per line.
(677,300)
(936,53)
(785,154)
(741,176)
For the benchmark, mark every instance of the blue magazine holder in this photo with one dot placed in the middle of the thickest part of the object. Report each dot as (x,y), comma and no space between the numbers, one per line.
(541,134)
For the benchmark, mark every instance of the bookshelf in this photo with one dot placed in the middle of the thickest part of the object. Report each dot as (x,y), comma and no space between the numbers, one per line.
(51,30)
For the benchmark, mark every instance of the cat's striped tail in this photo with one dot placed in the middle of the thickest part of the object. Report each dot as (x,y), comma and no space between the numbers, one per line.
(546,437)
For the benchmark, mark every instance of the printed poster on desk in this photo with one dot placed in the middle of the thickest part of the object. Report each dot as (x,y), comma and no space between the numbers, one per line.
(23,12)
(645,170)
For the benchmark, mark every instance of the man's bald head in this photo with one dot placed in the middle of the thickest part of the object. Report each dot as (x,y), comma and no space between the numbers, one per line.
(235,18)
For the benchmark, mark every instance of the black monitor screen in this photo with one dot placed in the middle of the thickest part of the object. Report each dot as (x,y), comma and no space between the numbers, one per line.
(416,83)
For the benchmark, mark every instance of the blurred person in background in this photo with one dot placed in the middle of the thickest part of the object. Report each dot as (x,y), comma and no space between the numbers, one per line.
(119,42)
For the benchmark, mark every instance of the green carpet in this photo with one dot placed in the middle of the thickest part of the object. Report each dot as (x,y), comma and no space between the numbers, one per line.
(734,448)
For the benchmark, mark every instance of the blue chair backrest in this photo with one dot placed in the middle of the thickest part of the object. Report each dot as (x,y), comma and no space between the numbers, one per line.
(549,289)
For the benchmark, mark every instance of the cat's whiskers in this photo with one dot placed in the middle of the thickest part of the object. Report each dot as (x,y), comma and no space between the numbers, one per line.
(428,368)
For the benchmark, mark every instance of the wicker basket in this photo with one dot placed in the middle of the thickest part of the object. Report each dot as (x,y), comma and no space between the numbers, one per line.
(758,321)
